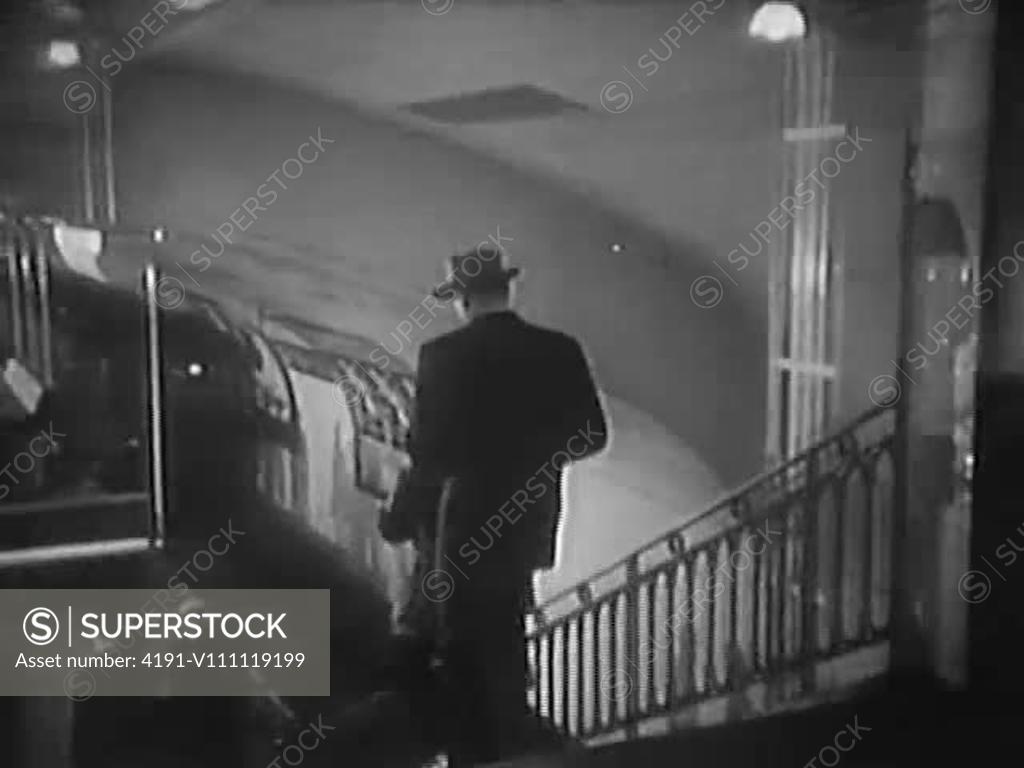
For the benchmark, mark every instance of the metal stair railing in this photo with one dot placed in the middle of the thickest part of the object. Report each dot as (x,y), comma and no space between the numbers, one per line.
(792,569)
(87,526)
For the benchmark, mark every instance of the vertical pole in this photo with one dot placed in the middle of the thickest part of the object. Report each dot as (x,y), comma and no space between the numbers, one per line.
(108,151)
(43,286)
(775,431)
(89,202)
(154,380)
(17,294)
(907,652)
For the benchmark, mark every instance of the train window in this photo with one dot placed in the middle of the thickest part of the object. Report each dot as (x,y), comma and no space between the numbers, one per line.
(274,475)
(384,403)
(273,393)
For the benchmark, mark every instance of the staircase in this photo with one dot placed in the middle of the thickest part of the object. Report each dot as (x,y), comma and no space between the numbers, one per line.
(776,598)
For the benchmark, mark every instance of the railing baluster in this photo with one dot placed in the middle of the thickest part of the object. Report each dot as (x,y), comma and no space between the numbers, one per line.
(690,633)
(839,548)
(550,690)
(566,678)
(650,700)
(613,660)
(776,603)
(581,688)
(670,634)
(783,593)
(732,659)
(868,561)
(811,583)
(711,606)
(757,606)
(632,593)
(596,690)
(534,658)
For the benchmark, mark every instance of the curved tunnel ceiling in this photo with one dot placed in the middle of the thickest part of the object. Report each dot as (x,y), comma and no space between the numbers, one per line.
(488,119)
(357,239)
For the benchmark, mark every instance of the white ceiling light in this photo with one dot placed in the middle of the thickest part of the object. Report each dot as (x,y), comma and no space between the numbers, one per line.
(778,22)
(63,54)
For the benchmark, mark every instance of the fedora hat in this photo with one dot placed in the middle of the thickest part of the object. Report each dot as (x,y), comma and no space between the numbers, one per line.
(478,271)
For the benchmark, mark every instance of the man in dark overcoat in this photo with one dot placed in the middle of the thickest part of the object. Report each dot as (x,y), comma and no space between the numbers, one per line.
(502,407)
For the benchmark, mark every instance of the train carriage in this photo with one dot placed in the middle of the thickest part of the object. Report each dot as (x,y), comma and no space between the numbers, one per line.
(170,425)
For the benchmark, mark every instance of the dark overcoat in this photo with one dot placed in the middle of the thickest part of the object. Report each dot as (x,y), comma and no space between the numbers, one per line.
(503,406)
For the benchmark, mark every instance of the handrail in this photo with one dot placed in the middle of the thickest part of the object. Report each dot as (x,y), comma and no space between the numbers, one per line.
(64,552)
(155,404)
(81,502)
(724,502)
(801,573)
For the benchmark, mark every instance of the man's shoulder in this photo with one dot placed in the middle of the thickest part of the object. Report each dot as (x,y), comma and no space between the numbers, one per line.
(444,345)
(447,338)
(519,332)
(550,336)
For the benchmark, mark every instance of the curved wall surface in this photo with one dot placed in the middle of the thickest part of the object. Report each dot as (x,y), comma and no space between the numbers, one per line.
(647,482)
(356,240)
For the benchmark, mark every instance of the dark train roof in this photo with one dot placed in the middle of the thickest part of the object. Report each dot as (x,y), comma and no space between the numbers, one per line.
(106,308)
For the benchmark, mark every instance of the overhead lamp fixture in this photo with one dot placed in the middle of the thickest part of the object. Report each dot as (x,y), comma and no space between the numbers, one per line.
(778,23)
(63,54)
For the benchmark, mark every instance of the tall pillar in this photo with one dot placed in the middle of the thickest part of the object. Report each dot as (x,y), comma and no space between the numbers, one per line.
(994,585)
(941,312)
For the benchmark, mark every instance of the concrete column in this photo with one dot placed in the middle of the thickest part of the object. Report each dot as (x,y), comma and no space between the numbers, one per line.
(955,110)
(942,311)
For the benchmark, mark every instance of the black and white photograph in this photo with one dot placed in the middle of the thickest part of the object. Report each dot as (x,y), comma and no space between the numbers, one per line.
(511,383)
